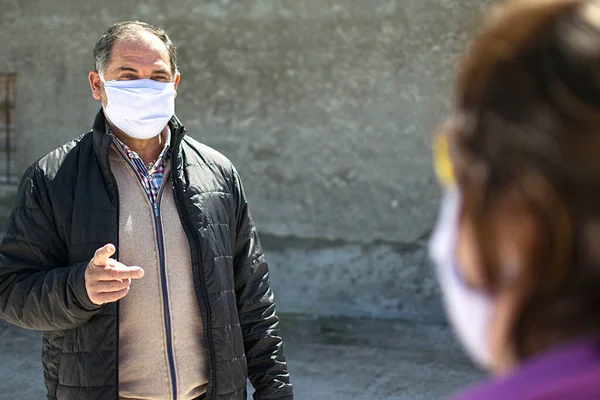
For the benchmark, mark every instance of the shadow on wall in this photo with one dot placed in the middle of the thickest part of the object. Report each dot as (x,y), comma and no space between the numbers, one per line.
(378,280)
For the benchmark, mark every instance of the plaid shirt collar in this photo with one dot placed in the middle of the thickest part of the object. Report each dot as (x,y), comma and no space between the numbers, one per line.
(150,176)
(160,161)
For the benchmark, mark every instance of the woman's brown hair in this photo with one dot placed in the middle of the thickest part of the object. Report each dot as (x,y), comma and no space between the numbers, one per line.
(525,137)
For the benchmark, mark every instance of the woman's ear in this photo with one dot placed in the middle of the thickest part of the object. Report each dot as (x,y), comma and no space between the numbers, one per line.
(516,237)
(515,233)
(492,253)
(531,251)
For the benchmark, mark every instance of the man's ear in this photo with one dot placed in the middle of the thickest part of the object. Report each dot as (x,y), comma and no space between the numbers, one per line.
(95,84)
(176,82)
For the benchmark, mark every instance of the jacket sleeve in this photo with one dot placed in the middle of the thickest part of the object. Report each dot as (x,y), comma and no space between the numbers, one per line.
(36,290)
(267,368)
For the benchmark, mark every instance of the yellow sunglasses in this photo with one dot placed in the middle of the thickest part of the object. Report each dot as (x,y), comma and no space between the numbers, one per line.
(442,163)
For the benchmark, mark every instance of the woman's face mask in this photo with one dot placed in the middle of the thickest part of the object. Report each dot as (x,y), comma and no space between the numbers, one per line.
(468,310)
(141,108)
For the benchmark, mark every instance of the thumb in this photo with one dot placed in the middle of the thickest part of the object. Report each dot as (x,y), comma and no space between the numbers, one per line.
(102,255)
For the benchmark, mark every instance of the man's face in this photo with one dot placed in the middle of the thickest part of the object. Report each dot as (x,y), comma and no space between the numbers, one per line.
(144,57)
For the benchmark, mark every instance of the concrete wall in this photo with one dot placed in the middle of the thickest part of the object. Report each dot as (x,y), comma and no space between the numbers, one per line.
(324,106)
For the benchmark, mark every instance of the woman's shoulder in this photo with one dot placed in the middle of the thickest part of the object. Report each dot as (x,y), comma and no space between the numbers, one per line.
(570,370)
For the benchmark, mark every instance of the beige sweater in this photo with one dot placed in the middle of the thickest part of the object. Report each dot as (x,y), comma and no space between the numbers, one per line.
(144,367)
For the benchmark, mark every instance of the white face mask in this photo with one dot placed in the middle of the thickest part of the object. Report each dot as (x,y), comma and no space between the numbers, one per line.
(468,310)
(141,108)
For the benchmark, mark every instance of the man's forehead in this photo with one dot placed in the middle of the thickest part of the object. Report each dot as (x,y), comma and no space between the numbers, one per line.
(146,49)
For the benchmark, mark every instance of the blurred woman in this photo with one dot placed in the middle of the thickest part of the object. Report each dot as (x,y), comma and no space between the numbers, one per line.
(517,244)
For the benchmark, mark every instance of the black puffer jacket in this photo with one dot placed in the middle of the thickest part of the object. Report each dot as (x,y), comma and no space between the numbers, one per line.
(67,207)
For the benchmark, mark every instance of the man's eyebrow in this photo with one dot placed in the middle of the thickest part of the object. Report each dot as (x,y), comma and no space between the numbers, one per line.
(127,69)
(161,71)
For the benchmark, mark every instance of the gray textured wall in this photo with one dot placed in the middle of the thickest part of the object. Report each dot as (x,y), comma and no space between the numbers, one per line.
(324,106)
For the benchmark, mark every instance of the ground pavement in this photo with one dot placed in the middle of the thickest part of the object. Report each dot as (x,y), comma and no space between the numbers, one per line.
(329,359)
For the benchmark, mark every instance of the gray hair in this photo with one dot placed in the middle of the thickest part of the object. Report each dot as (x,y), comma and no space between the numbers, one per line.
(128,30)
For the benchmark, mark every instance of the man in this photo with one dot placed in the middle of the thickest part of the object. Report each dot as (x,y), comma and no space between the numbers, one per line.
(175,302)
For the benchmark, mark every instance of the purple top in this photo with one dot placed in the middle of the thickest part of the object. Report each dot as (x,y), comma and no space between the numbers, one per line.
(571,371)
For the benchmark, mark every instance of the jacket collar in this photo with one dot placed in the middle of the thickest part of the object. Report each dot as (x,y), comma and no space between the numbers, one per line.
(102,140)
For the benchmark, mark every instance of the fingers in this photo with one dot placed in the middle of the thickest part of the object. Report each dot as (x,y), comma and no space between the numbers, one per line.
(106,279)
(115,270)
(103,254)
(111,286)
(109,297)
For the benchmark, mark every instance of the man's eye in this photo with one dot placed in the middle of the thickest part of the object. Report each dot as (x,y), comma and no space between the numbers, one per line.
(160,78)
(128,76)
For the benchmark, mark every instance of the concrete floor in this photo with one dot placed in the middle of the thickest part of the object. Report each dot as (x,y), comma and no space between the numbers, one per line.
(329,359)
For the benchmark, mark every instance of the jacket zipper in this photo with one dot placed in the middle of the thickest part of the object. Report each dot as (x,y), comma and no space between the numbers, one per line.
(196,261)
(165,289)
(163,277)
